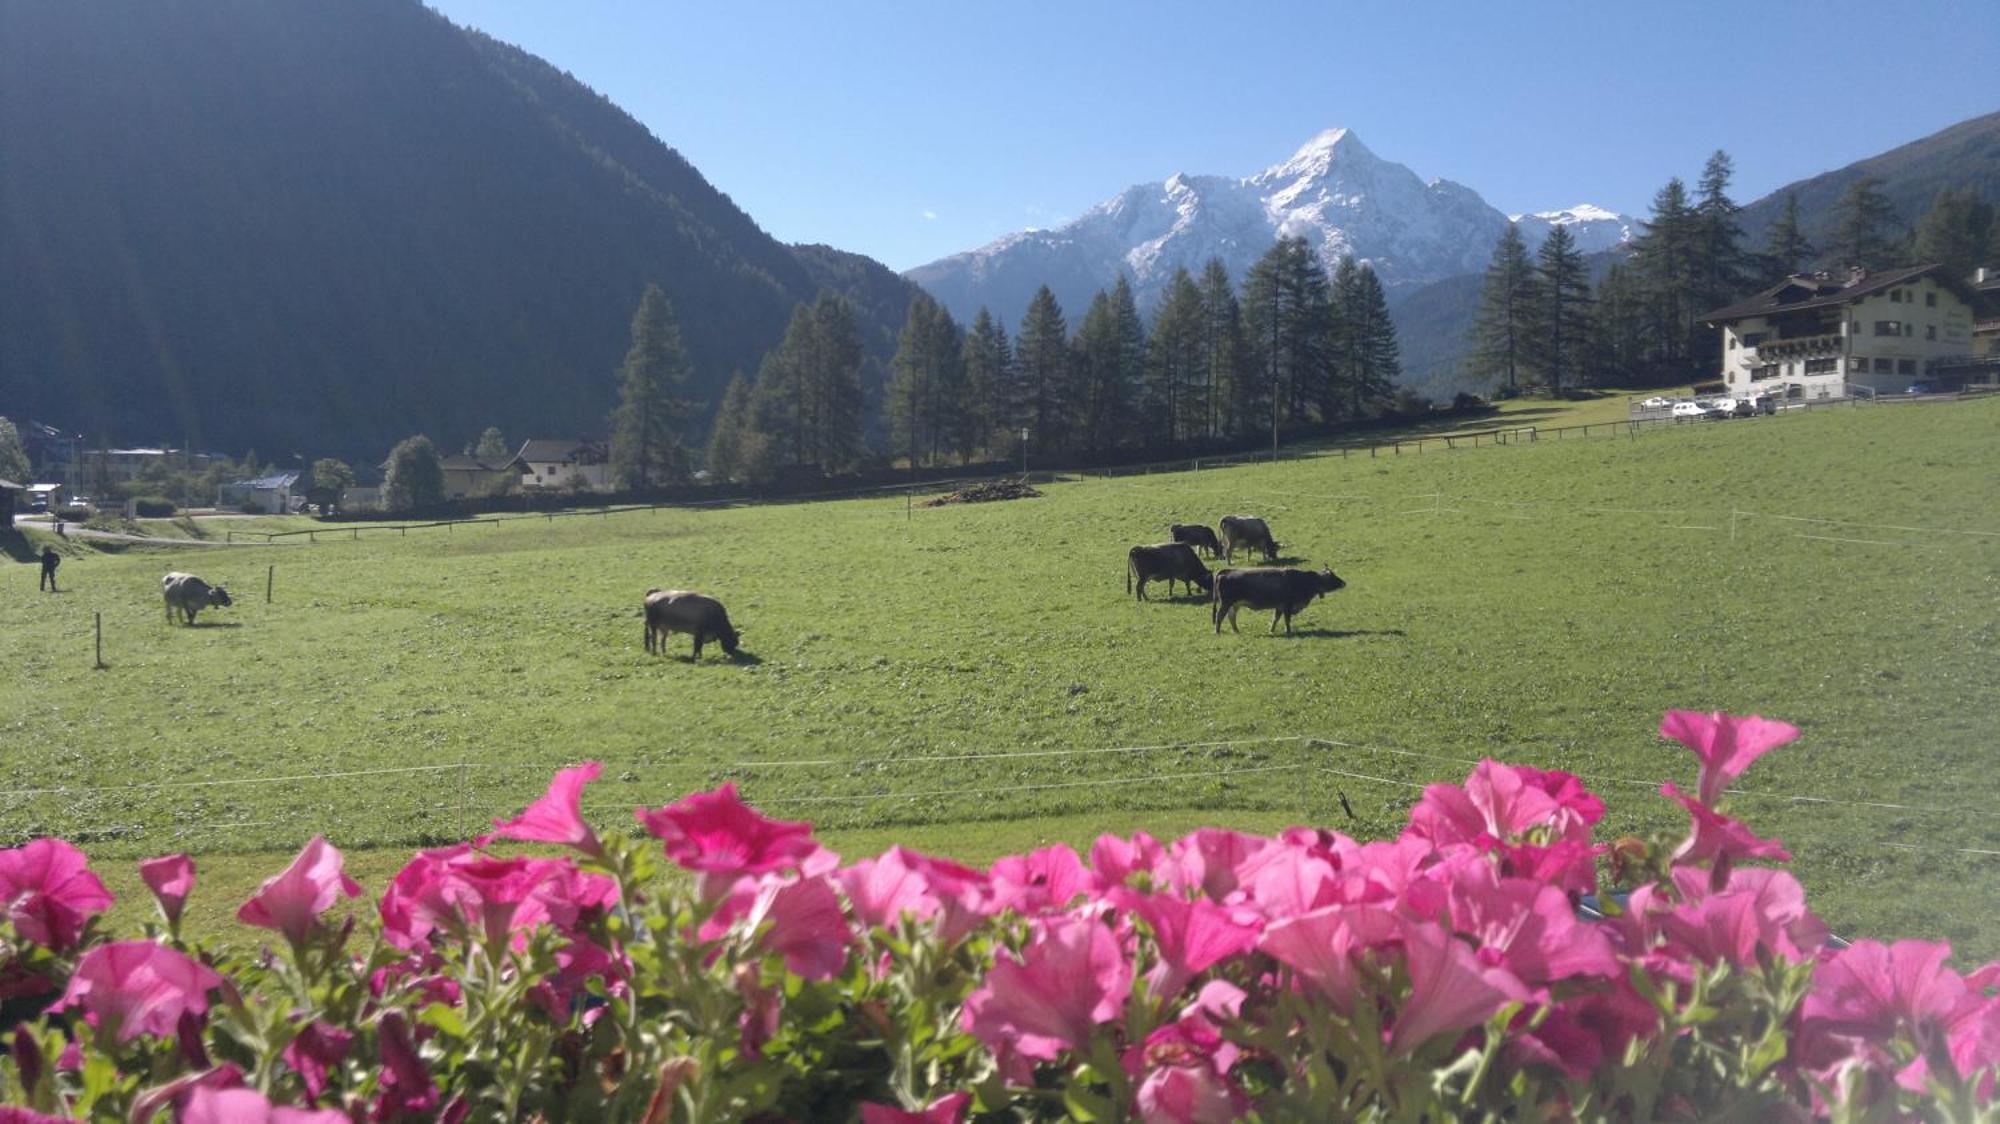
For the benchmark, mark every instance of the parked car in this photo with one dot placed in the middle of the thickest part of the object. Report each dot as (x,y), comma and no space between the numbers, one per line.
(1656,403)
(1690,410)
(1920,388)
(1722,407)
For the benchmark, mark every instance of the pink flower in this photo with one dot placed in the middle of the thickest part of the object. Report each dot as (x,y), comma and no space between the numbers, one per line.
(558,816)
(247,1106)
(498,896)
(1874,990)
(1319,946)
(1206,860)
(1449,989)
(1114,860)
(1285,880)
(1577,808)
(313,1051)
(1192,936)
(808,927)
(418,901)
(945,1110)
(1717,838)
(1039,881)
(171,878)
(406,1090)
(1528,927)
(1725,743)
(137,987)
(48,891)
(886,889)
(1496,803)
(1187,1076)
(1072,976)
(291,902)
(718,833)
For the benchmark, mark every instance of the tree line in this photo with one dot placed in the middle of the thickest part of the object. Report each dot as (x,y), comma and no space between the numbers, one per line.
(1543,322)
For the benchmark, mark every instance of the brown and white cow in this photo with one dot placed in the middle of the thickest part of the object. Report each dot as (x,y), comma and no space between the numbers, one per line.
(1283,590)
(1250,533)
(1169,562)
(678,610)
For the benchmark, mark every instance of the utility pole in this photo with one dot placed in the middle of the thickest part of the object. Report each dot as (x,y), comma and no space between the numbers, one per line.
(1024,454)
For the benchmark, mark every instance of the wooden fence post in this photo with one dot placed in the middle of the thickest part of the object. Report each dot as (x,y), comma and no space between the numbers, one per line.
(270,578)
(100,641)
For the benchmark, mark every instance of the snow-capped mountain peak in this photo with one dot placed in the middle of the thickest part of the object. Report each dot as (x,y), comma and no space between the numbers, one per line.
(1593,227)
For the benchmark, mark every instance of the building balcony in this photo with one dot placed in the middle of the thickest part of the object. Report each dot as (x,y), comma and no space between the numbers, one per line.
(1797,347)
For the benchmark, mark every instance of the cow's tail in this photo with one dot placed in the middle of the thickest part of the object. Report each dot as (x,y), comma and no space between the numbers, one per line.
(1128,573)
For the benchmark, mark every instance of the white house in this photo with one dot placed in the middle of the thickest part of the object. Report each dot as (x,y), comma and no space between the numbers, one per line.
(1816,337)
(271,495)
(547,464)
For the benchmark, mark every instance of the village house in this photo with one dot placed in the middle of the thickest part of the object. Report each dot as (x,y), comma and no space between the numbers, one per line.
(582,465)
(103,467)
(271,495)
(46,497)
(1867,333)
(475,476)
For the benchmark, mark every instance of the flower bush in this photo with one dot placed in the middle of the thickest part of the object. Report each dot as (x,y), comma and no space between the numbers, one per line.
(715,964)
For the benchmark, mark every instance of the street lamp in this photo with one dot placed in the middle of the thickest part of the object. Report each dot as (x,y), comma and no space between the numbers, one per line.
(1024,454)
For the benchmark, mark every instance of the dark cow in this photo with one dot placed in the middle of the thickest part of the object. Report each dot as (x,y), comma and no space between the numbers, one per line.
(189,595)
(1283,590)
(677,610)
(1168,561)
(1250,533)
(1198,535)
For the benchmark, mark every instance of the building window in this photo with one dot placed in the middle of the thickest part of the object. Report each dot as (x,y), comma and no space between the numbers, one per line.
(1888,327)
(1930,300)
(1906,366)
(1884,366)
(1821,366)
(1896,296)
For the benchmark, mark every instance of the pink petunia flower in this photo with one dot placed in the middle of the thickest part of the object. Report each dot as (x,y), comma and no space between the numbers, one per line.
(1207,860)
(1526,926)
(1319,947)
(292,901)
(171,878)
(1450,990)
(1285,880)
(1192,936)
(1719,839)
(808,927)
(558,816)
(886,889)
(406,1090)
(1114,859)
(315,1050)
(48,891)
(498,896)
(1039,881)
(418,900)
(948,1109)
(1874,990)
(1495,804)
(716,832)
(1186,1064)
(1071,977)
(207,1105)
(137,987)
(1725,743)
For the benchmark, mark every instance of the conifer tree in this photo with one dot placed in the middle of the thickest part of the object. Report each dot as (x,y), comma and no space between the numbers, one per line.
(1373,334)
(1562,302)
(13,456)
(726,435)
(1666,254)
(1042,357)
(647,428)
(1345,354)
(1286,306)
(1223,353)
(1863,235)
(1955,231)
(836,395)
(1617,348)
(1500,334)
(1174,368)
(491,446)
(1103,354)
(988,363)
(926,385)
(1786,249)
(1719,267)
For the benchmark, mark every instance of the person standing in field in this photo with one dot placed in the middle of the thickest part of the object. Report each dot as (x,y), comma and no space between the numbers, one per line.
(50,560)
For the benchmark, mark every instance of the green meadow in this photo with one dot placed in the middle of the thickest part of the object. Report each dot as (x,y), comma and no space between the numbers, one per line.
(974,679)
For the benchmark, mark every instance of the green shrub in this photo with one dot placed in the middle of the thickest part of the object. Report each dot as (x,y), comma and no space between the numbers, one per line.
(154,507)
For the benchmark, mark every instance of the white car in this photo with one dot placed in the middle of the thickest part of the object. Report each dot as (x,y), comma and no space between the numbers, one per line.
(1690,410)
(1656,403)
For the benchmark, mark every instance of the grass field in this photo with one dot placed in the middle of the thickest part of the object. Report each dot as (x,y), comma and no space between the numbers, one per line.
(1540,603)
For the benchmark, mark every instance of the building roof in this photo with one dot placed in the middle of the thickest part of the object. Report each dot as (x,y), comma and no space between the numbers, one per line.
(268,483)
(9,486)
(543,449)
(459,462)
(1796,294)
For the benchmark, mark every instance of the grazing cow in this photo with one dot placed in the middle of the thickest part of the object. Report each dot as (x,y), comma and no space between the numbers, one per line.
(1198,535)
(1250,533)
(190,595)
(1286,591)
(1168,561)
(676,610)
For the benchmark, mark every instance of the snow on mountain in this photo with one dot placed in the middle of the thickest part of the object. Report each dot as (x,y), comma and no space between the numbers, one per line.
(1334,191)
(1593,227)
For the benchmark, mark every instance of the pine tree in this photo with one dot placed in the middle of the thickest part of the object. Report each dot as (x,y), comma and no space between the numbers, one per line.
(1107,355)
(491,446)
(13,457)
(1223,353)
(1863,235)
(1286,311)
(1617,349)
(1373,334)
(1562,308)
(1118,394)
(653,411)
(1174,370)
(1786,249)
(1955,231)
(1041,355)
(926,382)
(414,479)
(778,397)
(1666,255)
(726,435)
(1345,354)
(988,363)
(835,385)
(1720,265)
(1499,335)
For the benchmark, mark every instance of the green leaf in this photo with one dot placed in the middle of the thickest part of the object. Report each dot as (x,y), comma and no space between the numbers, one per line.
(1084,1104)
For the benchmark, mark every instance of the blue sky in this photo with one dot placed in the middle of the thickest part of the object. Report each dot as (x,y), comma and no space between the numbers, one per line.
(910,131)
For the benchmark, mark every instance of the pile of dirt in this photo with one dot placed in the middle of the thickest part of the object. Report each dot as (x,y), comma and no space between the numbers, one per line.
(986,493)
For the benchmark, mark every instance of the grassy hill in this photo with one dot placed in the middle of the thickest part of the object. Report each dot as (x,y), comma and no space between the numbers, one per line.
(1540,603)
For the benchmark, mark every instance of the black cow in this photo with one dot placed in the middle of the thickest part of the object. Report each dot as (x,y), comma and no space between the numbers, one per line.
(1168,561)
(676,610)
(1283,590)
(1250,533)
(1198,535)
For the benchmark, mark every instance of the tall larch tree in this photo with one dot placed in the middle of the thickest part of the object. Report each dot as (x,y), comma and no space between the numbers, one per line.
(988,363)
(1786,249)
(1286,304)
(1173,402)
(653,409)
(1042,358)
(727,433)
(1955,231)
(1373,333)
(1720,270)
(1223,354)
(1562,311)
(1618,322)
(1865,225)
(836,396)
(926,383)
(1506,301)
(1102,359)
(1665,255)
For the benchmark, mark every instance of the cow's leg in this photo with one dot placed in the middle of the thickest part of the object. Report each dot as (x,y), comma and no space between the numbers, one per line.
(699,636)
(1232,619)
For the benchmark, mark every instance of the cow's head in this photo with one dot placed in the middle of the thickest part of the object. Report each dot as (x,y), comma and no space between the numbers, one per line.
(729,638)
(218,596)
(1270,550)
(1328,580)
(1204,579)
